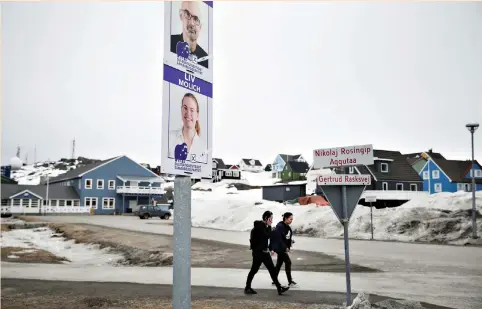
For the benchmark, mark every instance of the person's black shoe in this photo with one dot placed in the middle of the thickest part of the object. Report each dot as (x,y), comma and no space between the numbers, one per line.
(249,291)
(282,289)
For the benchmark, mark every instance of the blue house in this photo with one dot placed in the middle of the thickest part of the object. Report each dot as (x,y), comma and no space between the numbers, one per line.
(116,185)
(278,165)
(441,175)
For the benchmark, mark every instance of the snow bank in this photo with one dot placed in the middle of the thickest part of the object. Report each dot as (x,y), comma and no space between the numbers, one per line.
(45,239)
(362,301)
(443,217)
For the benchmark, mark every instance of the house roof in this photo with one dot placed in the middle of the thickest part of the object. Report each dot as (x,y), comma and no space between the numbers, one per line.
(7,180)
(75,173)
(252,162)
(55,192)
(399,168)
(457,169)
(414,160)
(298,167)
(288,158)
(429,152)
(220,162)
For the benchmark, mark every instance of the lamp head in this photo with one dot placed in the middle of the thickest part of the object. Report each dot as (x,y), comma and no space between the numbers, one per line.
(472,127)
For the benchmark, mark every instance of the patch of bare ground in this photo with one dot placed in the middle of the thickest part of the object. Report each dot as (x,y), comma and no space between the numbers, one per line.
(148,249)
(60,302)
(30,255)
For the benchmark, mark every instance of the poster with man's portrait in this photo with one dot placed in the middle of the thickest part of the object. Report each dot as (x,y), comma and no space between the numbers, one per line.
(188,37)
(186,125)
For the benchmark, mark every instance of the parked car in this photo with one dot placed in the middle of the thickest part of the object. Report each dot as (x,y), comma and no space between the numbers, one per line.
(146,212)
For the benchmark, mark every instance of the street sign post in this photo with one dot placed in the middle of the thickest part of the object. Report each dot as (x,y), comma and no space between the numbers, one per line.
(187,122)
(371,199)
(343,191)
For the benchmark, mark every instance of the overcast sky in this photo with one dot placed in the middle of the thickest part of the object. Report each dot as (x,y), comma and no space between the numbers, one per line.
(288,78)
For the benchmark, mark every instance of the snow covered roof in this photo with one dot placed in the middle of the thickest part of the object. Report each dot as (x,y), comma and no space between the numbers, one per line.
(76,173)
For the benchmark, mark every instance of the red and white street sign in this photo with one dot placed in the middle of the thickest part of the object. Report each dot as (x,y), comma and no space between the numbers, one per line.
(343,156)
(344,180)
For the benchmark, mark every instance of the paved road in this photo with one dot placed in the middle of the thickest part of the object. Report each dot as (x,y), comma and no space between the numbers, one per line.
(444,275)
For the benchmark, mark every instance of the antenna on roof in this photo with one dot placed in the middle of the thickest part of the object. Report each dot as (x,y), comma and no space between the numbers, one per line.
(73,148)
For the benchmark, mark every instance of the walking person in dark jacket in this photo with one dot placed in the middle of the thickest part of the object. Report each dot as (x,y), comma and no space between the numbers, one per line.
(281,241)
(259,240)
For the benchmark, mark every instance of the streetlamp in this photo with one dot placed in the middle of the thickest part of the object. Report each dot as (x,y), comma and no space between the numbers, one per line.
(472,127)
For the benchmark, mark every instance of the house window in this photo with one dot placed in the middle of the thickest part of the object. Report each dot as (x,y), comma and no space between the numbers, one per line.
(68,203)
(108,203)
(384,167)
(235,174)
(438,187)
(289,174)
(460,187)
(91,202)
(76,203)
(385,186)
(111,184)
(88,183)
(468,187)
(399,186)
(214,165)
(426,175)
(61,202)
(34,203)
(44,202)
(436,174)
(229,173)
(100,184)
(54,203)
(478,173)
(413,187)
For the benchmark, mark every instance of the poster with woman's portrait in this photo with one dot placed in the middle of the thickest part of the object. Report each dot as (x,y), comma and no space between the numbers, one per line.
(188,37)
(187,125)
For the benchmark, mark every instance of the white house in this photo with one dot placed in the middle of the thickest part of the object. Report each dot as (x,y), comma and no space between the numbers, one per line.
(251,165)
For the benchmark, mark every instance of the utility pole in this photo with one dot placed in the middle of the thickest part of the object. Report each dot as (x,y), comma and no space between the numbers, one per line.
(472,127)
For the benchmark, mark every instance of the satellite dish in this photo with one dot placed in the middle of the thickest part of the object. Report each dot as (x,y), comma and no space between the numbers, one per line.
(16,163)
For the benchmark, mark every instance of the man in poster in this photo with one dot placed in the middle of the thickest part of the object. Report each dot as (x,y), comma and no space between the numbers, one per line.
(186,44)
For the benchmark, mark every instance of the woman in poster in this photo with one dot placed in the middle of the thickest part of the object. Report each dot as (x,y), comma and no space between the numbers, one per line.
(185,144)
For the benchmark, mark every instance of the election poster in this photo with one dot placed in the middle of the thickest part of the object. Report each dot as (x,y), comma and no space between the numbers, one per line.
(188,37)
(186,125)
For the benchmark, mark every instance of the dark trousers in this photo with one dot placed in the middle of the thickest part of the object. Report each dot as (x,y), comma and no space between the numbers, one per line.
(283,257)
(262,258)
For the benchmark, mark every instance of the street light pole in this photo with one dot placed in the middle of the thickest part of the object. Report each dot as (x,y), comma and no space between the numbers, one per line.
(472,127)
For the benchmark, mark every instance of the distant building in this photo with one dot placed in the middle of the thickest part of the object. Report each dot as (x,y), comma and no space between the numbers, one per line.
(222,171)
(281,160)
(441,175)
(117,185)
(250,165)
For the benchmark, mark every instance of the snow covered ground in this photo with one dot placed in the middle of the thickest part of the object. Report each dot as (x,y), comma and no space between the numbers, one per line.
(441,217)
(46,239)
(31,174)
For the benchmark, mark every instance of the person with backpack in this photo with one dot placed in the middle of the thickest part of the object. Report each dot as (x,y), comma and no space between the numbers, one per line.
(259,244)
(281,241)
